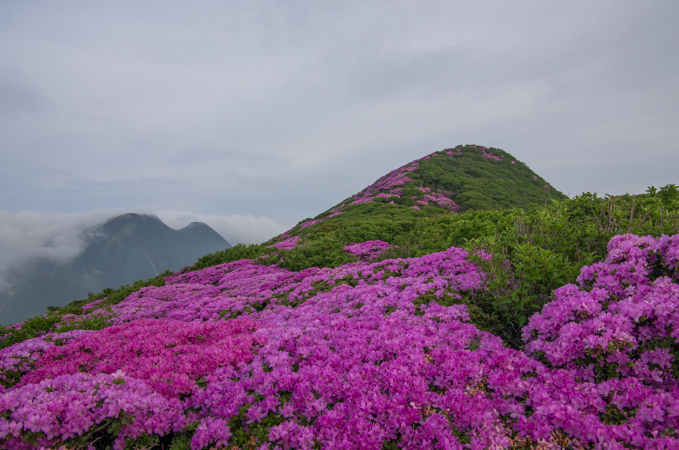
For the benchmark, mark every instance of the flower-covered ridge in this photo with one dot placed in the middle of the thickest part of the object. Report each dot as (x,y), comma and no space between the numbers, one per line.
(387,185)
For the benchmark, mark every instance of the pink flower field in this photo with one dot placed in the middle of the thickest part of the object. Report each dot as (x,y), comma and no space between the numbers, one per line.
(369,355)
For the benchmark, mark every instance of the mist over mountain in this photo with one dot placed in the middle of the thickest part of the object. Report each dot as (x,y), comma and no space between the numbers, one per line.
(118,252)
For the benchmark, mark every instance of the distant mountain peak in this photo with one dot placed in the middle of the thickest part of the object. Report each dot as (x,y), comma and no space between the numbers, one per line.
(133,217)
(119,251)
(194,225)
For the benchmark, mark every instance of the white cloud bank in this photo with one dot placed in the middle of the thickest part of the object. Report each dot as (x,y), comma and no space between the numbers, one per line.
(29,235)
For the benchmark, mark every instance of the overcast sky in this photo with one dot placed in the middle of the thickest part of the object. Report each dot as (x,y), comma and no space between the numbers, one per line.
(253,115)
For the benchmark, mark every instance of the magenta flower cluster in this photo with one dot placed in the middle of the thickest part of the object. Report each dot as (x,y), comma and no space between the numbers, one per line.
(336,211)
(308,223)
(437,198)
(441,200)
(45,414)
(368,250)
(287,244)
(168,355)
(489,155)
(387,185)
(370,353)
(21,357)
(138,369)
(617,318)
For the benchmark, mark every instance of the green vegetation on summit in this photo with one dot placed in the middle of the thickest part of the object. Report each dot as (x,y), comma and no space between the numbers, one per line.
(459,179)
(473,177)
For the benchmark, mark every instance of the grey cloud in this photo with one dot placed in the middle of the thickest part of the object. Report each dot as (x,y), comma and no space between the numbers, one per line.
(30,235)
(18,98)
(282,110)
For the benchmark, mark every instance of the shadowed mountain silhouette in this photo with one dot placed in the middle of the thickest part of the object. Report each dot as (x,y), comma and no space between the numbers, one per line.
(126,248)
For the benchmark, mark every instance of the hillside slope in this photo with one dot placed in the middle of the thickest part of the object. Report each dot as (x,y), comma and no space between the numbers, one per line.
(376,326)
(375,354)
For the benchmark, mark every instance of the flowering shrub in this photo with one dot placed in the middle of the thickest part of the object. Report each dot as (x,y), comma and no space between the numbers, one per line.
(170,356)
(243,287)
(287,244)
(20,358)
(386,184)
(620,328)
(333,213)
(363,381)
(442,201)
(368,250)
(78,409)
(93,304)
(489,155)
(622,320)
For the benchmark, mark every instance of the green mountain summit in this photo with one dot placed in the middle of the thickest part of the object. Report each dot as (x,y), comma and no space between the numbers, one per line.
(453,180)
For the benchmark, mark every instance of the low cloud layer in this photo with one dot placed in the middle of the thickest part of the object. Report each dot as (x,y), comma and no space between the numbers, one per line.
(30,235)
